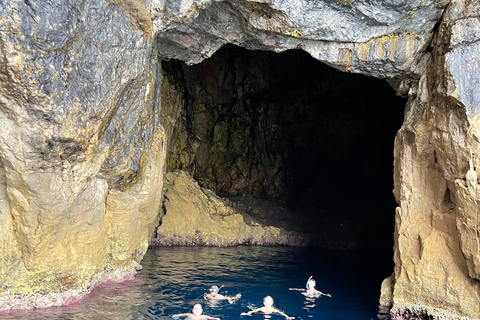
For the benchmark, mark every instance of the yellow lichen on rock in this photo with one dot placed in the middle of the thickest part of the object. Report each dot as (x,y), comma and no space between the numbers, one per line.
(345,59)
(293,32)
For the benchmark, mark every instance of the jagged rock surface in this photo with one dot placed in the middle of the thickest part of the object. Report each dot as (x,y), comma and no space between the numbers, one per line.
(437,250)
(285,127)
(81,149)
(379,38)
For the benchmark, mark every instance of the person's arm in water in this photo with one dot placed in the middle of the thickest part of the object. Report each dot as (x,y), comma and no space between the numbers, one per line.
(297,289)
(217,297)
(315,291)
(234,298)
(325,294)
(221,297)
(177,316)
(249,313)
(182,315)
(282,313)
(203,316)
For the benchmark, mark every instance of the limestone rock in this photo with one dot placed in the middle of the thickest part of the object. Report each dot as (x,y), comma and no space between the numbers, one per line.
(437,252)
(81,156)
(379,38)
(196,216)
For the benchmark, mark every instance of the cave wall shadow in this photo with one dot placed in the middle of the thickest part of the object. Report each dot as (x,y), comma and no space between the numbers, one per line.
(285,127)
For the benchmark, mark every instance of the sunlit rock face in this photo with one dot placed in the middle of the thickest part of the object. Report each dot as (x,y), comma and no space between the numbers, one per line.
(437,248)
(197,216)
(81,148)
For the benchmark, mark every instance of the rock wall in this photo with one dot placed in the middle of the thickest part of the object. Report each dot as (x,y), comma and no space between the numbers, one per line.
(81,148)
(437,250)
(285,127)
(268,124)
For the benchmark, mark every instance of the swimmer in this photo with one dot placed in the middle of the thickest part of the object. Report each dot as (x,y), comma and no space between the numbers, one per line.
(195,315)
(311,291)
(214,295)
(266,309)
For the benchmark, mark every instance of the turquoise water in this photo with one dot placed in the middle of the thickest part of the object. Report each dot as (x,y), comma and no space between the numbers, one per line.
(173,279)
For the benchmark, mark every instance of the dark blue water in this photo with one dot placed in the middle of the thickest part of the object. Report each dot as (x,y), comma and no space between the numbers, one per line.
(173,279)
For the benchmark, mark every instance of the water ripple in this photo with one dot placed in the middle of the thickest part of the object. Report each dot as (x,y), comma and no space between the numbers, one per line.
(173,279)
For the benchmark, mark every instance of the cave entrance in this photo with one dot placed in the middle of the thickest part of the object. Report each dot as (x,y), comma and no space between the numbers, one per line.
(287,128)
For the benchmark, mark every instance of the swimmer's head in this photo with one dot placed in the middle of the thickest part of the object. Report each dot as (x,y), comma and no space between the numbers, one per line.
(197,309)
(268,301)
(214,290)
(310,283)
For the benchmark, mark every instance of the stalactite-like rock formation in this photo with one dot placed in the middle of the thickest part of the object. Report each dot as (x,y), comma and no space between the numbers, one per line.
(82,144)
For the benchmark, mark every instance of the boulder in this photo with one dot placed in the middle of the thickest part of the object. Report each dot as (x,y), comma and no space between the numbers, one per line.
(194,216)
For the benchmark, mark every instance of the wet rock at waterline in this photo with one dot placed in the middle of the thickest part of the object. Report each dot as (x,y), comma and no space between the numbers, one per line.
(82,149)
(194,216)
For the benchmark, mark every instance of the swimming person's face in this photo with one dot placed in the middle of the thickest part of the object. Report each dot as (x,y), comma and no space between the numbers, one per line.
(311,284)
(268,302)
(197,310)
(214,290)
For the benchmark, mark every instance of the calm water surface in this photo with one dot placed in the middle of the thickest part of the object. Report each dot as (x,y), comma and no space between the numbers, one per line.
(173,279)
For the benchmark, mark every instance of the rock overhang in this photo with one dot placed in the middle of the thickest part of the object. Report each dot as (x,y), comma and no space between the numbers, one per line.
(383,39)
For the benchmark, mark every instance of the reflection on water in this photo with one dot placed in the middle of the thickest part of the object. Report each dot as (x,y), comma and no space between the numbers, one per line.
(174,279)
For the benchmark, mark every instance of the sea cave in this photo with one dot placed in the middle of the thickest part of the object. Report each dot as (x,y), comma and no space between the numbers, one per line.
(349,126)
(259,127)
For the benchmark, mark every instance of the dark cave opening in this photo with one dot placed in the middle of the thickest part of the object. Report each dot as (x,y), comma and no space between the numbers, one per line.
(285,127)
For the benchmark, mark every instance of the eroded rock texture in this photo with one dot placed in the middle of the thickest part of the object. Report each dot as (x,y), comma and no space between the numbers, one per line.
(81,149)
(437,251)
(196,216)
(381,38)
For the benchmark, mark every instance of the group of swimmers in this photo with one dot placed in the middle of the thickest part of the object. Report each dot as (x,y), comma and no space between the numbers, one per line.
(267,308)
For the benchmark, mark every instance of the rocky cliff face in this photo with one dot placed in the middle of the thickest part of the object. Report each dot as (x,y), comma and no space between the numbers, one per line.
(82,148)
(436,161)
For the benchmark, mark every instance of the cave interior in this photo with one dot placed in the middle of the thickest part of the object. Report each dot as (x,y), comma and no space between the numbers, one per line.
(289,129)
